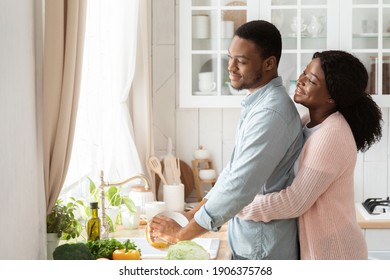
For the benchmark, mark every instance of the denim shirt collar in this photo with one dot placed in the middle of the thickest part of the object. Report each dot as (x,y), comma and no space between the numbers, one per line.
(258,95)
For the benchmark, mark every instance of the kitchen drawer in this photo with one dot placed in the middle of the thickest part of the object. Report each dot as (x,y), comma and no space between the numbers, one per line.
(378,239)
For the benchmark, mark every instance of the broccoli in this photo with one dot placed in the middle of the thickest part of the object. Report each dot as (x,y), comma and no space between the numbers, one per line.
(75,251)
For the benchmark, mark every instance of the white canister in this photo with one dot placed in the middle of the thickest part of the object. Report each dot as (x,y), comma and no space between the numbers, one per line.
(207,174)
(201,153)
(174,197)
(227,29)
(200,26)
(141,196)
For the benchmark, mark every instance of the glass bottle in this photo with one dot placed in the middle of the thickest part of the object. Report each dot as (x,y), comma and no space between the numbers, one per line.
(385,75)
(94,223)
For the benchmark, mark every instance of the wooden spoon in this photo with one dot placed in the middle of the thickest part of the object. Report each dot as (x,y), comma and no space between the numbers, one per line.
(178,172)
(155,165)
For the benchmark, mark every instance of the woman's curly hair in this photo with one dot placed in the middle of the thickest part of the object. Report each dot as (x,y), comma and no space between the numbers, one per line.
(346,79)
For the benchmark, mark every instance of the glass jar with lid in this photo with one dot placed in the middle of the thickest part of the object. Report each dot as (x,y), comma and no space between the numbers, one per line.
(374,79)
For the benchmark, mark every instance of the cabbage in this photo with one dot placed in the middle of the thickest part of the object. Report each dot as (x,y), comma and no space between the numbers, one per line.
(187,250)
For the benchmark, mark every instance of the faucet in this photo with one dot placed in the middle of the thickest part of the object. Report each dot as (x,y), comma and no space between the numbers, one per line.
(105,227)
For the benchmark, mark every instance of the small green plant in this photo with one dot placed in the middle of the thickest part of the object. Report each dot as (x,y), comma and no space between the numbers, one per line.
(113,195)
(62,221)
(114,198)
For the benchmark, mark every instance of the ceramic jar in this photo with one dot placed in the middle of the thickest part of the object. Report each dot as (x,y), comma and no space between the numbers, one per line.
(296,26)
(207,174)
(200,26)
(315,26)
(201,153)
(141,196)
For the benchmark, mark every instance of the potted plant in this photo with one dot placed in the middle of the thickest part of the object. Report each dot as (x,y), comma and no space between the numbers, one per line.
(61,224)
(62,221)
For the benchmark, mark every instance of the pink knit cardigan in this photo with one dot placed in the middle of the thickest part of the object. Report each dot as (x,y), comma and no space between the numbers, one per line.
(321,195)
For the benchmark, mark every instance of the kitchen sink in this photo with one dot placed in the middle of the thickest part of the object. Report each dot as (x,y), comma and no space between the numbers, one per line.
(211,245)
(379,255)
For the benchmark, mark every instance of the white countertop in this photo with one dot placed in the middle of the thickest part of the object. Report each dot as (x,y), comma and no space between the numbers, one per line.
(374,223)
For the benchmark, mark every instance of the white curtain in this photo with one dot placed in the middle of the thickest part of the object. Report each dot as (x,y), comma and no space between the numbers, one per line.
(104,131)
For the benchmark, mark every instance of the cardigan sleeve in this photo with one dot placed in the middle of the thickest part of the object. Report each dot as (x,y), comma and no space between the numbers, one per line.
(324,157)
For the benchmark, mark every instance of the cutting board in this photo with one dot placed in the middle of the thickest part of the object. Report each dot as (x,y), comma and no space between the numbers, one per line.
(186,177)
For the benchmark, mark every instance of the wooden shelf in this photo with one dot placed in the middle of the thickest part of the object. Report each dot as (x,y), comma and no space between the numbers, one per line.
(199,164)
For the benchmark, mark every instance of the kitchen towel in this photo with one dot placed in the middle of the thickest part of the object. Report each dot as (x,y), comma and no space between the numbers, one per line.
(174,197)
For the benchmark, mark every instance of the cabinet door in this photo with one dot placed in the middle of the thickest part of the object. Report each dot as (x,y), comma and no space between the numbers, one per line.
(378,239)
(366,33)
(306,26)
(206,29)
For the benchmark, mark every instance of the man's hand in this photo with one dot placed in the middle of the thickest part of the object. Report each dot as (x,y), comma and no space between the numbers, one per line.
(164,228)
(170,231)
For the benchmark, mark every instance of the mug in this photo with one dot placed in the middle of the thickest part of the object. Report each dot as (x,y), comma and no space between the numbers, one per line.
(206,76)
(207,86)
(131,220)
(206,81)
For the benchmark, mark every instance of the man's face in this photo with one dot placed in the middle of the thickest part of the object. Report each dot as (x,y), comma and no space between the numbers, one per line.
(245,65)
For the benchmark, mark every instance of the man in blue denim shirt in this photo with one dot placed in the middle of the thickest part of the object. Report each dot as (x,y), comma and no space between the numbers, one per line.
(268,141)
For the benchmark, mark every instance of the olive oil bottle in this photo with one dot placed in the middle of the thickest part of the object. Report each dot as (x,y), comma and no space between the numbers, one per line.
(93,225)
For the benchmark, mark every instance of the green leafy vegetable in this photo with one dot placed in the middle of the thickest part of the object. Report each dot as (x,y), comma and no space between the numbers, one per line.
(104,248)
(187,250)
(75,251)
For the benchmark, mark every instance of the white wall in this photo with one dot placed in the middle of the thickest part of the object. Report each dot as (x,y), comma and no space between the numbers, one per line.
(22,215)
(215,128)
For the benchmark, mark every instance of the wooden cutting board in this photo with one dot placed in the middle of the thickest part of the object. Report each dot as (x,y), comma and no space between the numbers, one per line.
(186,177)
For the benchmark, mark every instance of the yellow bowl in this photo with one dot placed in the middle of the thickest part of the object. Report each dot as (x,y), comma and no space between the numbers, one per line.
(159,244)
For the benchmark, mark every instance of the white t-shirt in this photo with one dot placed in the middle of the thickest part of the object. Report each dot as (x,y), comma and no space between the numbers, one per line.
(307,131)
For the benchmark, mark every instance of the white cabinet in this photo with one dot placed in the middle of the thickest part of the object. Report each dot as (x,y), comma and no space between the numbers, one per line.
(206,26)
(365,31)
(377,239)
(206,29)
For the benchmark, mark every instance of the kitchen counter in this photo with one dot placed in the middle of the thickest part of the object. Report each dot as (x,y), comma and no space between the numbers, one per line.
(223,252)
(377,224)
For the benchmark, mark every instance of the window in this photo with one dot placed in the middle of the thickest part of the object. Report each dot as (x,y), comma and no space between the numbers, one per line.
(103,136)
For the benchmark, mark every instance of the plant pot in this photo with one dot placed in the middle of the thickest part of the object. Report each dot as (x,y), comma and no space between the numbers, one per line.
(52,244)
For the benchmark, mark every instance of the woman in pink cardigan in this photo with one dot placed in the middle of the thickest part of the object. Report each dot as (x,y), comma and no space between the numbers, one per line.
(342,120)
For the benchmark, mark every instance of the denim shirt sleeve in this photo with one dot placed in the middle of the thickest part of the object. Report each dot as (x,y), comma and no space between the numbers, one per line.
(261,142)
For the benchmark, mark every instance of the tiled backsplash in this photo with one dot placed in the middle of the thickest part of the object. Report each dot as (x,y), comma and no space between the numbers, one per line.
(373,167)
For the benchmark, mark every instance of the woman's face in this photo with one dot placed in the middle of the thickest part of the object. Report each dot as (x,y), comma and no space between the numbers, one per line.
(311,90)
(245,65)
